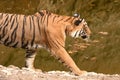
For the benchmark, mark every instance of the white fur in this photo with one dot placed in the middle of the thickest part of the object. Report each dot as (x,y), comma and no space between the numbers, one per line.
(35,46)
(30,62)
(75,34)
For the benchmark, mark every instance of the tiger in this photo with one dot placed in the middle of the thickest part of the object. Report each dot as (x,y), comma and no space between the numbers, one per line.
(43,29)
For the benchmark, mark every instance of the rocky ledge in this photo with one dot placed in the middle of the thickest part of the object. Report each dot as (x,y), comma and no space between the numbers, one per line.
(15,73)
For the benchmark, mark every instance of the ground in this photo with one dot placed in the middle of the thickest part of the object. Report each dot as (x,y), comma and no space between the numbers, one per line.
(15,73)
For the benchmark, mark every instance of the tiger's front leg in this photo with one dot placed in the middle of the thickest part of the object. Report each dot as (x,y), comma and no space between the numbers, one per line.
(65,58)
(30,57)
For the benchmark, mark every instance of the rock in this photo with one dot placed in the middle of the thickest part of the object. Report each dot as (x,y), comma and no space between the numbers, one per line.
(15,73)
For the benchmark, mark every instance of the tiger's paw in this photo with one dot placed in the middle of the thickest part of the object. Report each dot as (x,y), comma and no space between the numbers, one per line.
(81,73)
(32,69)
(37,70)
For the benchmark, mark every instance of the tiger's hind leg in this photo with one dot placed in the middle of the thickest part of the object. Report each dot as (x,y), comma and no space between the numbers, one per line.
(30,57)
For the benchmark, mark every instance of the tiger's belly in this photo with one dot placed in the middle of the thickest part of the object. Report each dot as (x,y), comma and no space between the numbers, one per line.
(35,46)
(19,44)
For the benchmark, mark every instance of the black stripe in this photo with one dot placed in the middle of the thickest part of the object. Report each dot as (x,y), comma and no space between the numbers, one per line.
(60,20)
(54,19)
(30,23)
(47,12)
(60,43)
(68,19)
(4,22)
(23,32)
(39,27)
(7,15)
(1,16)
(11,16)
(76,33)
(36,46)
(13,34)
(47,19)
(25,45)
(73,20)
(29,53)
(15,31)
(41,13)
(13,21)
(43,19)
(33,38)
(15,45)
(5,41)
(4,30)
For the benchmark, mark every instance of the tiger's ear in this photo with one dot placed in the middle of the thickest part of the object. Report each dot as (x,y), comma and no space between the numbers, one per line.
(76,15)
(41,13)
(77,22)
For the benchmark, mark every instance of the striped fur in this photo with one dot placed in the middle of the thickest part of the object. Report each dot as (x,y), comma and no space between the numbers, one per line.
(42,30)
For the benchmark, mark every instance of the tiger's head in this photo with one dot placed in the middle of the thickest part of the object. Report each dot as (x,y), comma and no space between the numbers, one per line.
(79,28)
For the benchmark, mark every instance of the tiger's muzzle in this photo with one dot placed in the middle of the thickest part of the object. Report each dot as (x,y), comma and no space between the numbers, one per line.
(86,38)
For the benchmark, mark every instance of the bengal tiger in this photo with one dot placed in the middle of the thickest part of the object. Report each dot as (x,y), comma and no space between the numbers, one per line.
(42,30)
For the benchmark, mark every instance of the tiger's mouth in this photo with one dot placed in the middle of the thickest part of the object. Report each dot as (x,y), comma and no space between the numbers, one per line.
(86,38)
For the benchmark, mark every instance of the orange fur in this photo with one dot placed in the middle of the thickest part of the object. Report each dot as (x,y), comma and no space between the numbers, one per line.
(43,29)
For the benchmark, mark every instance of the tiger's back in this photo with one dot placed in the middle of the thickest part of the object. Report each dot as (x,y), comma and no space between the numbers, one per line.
(20,30)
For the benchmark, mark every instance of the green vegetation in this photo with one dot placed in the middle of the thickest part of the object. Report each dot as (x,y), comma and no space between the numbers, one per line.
(100,55)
